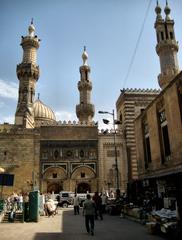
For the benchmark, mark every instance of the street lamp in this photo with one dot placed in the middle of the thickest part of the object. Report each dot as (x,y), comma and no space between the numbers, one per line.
(115,149)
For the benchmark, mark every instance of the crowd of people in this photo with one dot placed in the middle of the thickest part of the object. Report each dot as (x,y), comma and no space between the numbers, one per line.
(14,202)
(93,207)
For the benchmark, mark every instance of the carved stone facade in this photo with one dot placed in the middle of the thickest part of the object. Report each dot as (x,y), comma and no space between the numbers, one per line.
(69,158)
(50,158)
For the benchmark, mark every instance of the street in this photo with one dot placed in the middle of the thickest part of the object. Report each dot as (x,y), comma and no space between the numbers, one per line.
(67,226)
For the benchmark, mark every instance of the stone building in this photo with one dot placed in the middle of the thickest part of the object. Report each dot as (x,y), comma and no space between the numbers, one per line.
(50,155)
(151,120)
(111,163)
(158,129)
(129,105)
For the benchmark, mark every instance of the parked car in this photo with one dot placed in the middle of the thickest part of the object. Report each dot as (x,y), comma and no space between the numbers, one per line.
(65,199)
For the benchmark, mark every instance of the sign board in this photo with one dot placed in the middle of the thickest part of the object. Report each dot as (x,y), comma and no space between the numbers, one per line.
(6,179)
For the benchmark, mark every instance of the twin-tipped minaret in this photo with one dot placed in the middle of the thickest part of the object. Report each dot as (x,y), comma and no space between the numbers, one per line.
(85,110)
(28,74)
(167,46)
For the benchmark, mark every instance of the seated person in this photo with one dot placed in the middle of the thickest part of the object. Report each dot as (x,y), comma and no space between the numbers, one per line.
(50,208)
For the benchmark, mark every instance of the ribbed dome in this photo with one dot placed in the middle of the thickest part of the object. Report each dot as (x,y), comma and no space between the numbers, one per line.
(43,112)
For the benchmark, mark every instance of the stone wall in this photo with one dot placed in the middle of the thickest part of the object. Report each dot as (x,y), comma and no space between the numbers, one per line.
(19,155)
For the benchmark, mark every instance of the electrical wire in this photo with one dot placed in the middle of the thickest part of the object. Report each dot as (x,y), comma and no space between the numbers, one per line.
(137,44)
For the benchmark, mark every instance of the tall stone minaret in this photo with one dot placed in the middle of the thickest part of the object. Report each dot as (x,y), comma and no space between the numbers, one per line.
(167,46)
(28,74)
(85,110)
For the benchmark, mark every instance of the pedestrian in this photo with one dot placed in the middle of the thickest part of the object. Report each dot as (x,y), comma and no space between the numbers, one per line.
(20,202)
(89,212)
(104,202)
(26,206)
(98,202)
(15,201)
(76,204)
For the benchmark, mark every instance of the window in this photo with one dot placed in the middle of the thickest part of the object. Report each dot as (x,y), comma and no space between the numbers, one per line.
(69,153)
(180,99)
(82,175)
(147,150)
(31,95)
(81,153)
(157,37)
(162,116)
(56,154)
(44,155)
(54,175)
(121,117)
(171,35)
(92,154)
(86,75)
(164,137)
(166,32)
(162,35)
(166,141)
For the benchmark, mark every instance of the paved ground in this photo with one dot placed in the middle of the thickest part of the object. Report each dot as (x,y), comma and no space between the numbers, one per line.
(66,226)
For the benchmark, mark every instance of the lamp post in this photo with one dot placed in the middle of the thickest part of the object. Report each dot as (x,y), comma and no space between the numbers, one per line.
(115,149)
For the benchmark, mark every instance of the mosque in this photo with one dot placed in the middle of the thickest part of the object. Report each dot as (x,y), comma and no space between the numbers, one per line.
(46,154)
(49,155)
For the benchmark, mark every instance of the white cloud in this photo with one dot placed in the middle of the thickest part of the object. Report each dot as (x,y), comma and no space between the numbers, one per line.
(64,116)
(8,89)
(8,119)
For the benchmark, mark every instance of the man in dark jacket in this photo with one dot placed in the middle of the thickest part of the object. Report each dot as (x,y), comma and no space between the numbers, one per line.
(89,212)
(98,202)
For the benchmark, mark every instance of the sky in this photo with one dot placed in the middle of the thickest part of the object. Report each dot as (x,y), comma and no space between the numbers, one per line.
(120,40)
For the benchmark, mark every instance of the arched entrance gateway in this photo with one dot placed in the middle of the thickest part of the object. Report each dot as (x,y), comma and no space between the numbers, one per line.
(84,179)
(83,188)
(54,187)
(53,178)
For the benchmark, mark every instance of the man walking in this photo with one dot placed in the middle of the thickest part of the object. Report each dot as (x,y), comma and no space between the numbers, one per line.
(89,212)
(98,203)
(76,204)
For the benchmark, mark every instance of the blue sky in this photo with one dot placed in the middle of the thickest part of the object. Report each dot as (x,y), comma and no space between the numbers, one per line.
(109,29)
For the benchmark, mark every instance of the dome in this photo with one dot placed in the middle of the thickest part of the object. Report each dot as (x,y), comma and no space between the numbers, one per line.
(43,112)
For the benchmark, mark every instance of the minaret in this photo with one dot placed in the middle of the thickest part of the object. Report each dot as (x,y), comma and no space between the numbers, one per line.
(28,74)
(85,110)
(167,46)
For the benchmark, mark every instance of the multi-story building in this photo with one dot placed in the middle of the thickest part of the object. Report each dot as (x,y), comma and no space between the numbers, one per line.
(129,105)
(158,129)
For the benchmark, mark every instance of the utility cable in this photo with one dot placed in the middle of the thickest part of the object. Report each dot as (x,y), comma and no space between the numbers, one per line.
(137,44)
